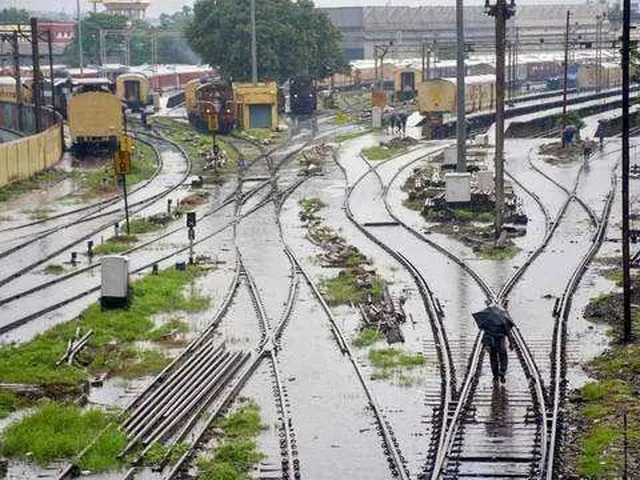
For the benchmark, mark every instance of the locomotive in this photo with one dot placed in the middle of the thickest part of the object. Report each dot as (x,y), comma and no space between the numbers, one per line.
(211,105)
(303,98)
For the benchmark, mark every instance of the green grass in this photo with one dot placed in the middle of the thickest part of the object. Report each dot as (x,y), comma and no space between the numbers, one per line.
(58,431)
(197,144)
(343,137)
(343,288)
(614,274)
(382,153)
(367,337)
(111,347)
(117,244)
(257,133)
(416,204)
(497,253)
(158,452)
(39,213)
(54,269)
(103,181)
(595,461)
(393,358)
(9,403)
(236,453)
(311,205)
(162,332)
(391,364)
(39,181)
(139,226)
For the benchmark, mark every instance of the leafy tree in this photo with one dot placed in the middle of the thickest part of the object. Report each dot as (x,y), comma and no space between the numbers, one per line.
(292,38)
(13,15)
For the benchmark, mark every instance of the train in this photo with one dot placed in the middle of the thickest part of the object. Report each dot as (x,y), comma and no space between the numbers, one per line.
(440,94)
(302,94)
(132,89)
(95,117)
(8,90)
(210,105)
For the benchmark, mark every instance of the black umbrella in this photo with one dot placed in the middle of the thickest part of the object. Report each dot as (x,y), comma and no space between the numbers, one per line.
(493,320)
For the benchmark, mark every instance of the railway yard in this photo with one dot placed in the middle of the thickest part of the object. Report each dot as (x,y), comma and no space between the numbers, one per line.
(325,329)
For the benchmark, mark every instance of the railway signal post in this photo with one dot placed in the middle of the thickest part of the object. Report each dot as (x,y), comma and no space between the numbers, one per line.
(122,166)
(191,225)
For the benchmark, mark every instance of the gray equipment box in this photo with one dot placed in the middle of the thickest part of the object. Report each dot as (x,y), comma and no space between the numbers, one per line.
(115,279)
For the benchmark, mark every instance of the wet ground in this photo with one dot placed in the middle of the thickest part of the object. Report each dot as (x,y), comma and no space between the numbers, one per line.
(330,413)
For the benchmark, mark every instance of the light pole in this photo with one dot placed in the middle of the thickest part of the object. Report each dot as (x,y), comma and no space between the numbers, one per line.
(461,122)
(79,38)
(501,11)
(254,44)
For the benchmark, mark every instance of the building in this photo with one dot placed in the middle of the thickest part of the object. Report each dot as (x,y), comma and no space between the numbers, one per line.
(536,27)
(257,104)
(62,33)
(133,9)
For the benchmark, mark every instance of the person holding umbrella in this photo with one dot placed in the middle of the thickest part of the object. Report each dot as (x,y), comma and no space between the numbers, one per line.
(496,325)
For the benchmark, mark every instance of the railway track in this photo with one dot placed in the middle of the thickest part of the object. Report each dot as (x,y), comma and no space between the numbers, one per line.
(466,391)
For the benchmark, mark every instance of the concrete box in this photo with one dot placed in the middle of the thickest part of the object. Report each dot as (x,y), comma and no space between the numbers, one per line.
(115,276)
(485,180)
(458,188)
(450,156)
(376,117)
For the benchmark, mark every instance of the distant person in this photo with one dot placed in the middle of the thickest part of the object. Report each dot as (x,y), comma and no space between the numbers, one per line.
(496,325)
(403,122)
(600,131)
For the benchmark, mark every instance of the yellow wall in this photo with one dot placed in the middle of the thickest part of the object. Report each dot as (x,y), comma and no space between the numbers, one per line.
(262,93)
(27,156)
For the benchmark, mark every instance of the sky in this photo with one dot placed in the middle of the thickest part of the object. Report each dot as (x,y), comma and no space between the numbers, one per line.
(169,6)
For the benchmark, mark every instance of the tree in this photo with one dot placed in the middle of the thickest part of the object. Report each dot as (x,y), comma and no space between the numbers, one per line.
(292,38)
(10,16)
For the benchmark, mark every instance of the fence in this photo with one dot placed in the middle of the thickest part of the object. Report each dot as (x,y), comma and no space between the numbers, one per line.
(28,155)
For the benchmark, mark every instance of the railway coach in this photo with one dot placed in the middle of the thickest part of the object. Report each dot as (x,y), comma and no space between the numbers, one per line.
(133,90)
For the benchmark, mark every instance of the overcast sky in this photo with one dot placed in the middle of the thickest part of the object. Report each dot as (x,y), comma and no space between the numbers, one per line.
(170,6)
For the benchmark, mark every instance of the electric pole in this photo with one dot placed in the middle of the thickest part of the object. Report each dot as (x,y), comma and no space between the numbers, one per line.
(566,78)
(36,89)
(461,123)
(254,45)
(80,38)
(501,11)
(626,60)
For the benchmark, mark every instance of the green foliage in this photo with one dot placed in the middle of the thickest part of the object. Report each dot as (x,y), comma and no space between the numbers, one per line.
(292,37)
(237,451)
(344,289)
(111,346)
(382,153)
(143,225)
(367,337)
(595,461)
(11,16)
(311,205)
(614,274)
(162,332)
(117,244)
(54,269)
(40,180)
(343,137)
(570,118)
(57,431)
(172,46)
(9,402)
(497,253)
(102,456)
(393,357)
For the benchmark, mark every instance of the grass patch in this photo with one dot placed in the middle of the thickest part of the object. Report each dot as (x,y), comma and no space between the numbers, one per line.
(344,288)
(497,253)
(416,204)
(382,153)
(54,269)
(198,144)
(168,329)
(103,181)
(40,181)
(40,213)
(58,431)
(343,137)
(117,244)
(367,337)
(310,206)
(9,403)
(112,346)
(391,364)
(139,226)
(613,274)
(158,452)
(237,452)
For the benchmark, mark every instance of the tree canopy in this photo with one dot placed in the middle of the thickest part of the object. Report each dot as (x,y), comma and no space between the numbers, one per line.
(13,15)
(292,38)
(172,47)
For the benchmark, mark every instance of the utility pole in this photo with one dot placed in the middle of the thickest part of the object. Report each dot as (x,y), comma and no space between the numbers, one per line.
(15,46)
(254,45)
(51,77)
(461,123)
(80,38)
(626,60)
(501,11)
(566,77)
(103,53)
(37,85)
